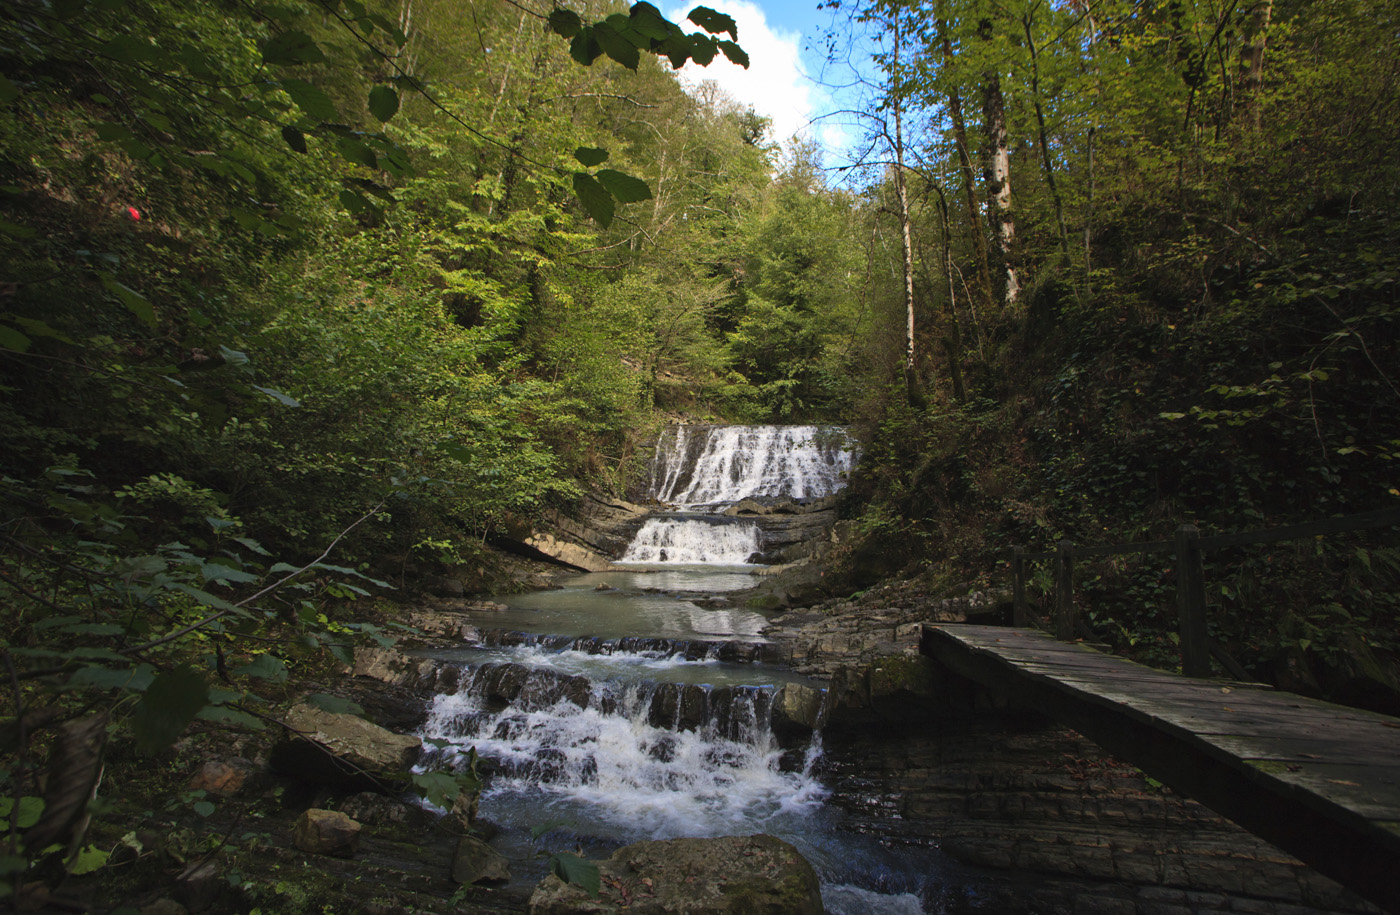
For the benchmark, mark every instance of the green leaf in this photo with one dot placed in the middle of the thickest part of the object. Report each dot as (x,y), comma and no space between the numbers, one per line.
(591,155)
(167,708)
(203,808)
(291,48)
(616,46)
(647,20)
(584,48)
(89,859)
(253,545)
(94,629)
(703,49)
(207,599)
(624,187)
(134,678)
(308,98)
(564,22)
(595,198)
(223,715)
(278,396)
(295,139)
(357,152)
(134,301)
(383,102)
(441,788)
(129,49)
(8,91)
(264,667)
(11,339)
(217,571)
(714,22)
(232,356)
(335,704)
(575,870)
(735,53)
(16,231)
(30,809)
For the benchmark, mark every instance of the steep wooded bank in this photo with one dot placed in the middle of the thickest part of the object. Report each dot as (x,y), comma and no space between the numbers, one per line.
(1187,215)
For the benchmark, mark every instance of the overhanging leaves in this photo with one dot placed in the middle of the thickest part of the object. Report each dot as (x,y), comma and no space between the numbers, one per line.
(591,155)
(714,22)
(383,102)
(292,48)
(595,198)
(309,99)
(168,706)
(624,187)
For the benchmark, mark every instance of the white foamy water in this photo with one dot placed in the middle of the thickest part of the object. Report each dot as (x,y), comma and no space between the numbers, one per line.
(713,465)
(689,541)
(608,766)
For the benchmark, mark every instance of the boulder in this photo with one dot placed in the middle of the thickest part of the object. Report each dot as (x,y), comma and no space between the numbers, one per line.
(223,777)
(476,862)
(327,832)
(342,750)
(797,708)
(735,875)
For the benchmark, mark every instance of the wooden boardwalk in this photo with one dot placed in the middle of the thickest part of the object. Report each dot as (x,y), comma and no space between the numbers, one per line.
(1320,781)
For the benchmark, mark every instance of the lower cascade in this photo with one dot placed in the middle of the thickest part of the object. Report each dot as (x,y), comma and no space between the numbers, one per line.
(662,760)
(693,541)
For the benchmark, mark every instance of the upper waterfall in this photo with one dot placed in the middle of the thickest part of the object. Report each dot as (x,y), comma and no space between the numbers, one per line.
(699,466)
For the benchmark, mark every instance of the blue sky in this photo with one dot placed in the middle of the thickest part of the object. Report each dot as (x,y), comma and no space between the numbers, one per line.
(779,83)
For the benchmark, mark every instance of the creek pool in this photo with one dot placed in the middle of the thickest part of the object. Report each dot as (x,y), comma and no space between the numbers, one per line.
(613,729)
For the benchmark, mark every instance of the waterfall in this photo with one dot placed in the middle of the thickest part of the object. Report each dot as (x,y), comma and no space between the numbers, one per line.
(661,759)
(711,466)
(692,540)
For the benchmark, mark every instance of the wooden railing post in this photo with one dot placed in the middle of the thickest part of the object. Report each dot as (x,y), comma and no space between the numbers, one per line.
(1064,592)
(1191,602)
(1020,613)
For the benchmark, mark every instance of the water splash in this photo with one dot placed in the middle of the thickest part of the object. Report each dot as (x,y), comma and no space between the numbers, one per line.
(660,761)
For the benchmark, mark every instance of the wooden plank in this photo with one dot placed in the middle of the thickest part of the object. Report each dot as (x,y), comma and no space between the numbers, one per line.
(1321,781)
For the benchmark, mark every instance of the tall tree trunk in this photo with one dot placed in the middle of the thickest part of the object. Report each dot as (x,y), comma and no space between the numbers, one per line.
(952,341)
(1045,161)
(911,375)
(996,172)
(1256,34)
(974,215)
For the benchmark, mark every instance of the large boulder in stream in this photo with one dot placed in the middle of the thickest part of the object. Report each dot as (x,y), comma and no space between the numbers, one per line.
(735,875)
(343,750)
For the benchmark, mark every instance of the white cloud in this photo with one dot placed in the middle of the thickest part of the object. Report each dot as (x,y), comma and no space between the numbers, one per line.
(775,84)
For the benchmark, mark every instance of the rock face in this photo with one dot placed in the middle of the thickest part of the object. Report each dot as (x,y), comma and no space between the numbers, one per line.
(327,832)
(342,750)
(589,533)
(736,875)
(477,862)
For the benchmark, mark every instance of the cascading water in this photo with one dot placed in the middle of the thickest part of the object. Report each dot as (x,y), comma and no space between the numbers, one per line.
(702,470)
(616,710)
(708,466)
(693,541)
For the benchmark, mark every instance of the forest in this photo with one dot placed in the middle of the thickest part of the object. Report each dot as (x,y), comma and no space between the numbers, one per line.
(303,301)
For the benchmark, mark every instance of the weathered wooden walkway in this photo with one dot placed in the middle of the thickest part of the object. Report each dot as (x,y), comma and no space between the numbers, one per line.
(1320,781)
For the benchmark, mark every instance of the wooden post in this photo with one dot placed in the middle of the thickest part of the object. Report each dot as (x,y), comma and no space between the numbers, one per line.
(1020,614)
(1191,602)
(1064,592)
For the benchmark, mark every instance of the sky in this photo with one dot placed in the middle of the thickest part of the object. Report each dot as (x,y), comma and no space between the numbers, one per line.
(783,39)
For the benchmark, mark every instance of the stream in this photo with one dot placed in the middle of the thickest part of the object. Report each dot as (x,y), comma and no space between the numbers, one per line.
(616,709)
